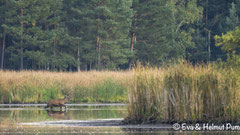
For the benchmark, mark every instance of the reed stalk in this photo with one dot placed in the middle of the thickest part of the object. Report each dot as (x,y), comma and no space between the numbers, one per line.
(184,93)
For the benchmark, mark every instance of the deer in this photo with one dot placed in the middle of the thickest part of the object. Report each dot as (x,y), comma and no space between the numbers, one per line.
(58,103)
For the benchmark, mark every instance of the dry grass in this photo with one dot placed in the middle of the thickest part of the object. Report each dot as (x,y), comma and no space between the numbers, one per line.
(177,93)
(40,86)
(184,93)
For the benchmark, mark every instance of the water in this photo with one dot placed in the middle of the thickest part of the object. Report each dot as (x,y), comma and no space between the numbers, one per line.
(23,113)
(77,119)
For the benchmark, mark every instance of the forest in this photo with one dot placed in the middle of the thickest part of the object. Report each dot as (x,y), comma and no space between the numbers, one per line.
(75,35)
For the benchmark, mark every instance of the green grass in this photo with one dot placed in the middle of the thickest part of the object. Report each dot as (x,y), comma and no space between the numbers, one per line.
(106,91)
(40,87)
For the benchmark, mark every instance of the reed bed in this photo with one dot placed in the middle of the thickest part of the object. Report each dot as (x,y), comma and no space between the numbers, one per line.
(184,93)
(40,86)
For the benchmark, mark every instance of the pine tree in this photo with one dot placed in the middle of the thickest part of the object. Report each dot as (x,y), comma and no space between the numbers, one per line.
(197,52)
(94,34)
(103,27)
(74,23)
(5,11)
(18,27)
(232,21)
(35,35)
(214,16)
(154,31)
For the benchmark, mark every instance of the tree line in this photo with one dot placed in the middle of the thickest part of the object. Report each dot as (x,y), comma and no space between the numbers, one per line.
(74,35)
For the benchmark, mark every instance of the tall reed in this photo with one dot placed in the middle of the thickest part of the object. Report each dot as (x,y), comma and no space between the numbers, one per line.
(184,93)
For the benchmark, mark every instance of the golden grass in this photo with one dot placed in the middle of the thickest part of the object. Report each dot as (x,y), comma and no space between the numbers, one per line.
(71,78)
(176,93)
(184,93)
(14,85)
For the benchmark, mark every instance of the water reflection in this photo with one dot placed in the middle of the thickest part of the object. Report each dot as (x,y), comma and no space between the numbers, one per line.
(57,114)
(73,118)
(26,113)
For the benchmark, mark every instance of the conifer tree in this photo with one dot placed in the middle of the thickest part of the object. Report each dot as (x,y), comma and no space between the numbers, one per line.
(20,21)
(103,27)
(232,21)
(5,11)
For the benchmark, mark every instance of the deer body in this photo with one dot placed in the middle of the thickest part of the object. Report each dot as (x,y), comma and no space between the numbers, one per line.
(57,103)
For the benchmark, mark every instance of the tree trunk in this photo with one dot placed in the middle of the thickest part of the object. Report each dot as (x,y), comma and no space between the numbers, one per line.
(3,42)
(78,59)
(54,41)
(209,45)
(90,66)
(207,32)
(98,49)
(133,38)
(3,48)
(21,50)
(85,66)
(32,64)
(70,68)
(206,12)
(41,67)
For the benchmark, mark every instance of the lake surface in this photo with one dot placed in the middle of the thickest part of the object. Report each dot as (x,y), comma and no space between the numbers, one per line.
(20,113)
(77,119)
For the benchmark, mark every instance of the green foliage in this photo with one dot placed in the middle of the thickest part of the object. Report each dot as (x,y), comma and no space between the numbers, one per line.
(232,21)
(197,52)
(62,35)
(31,94)
(185,14)
(107,91)
(50,93)
(154,31)
(110,91)
(229,42)
(103,29)
(165,36)
(232,63)
(83,94)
